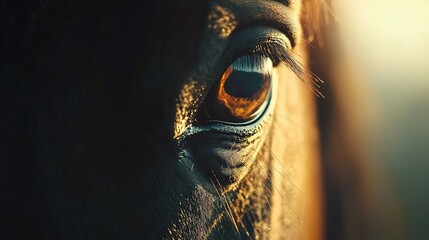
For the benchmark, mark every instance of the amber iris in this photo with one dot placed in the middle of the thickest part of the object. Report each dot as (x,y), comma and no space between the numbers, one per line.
(243,89)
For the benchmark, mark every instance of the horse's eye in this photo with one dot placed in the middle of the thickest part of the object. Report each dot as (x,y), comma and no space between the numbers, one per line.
(242,92)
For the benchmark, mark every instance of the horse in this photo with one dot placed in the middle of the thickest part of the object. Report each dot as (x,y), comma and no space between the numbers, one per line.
(173,120)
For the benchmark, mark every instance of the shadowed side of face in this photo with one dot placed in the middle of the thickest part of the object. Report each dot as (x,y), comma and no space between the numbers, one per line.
(88,93)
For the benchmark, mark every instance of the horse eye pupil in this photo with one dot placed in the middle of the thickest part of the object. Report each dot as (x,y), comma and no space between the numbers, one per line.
(242,84)
(242,91)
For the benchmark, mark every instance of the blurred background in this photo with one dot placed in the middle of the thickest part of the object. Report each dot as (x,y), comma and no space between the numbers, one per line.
(387,44)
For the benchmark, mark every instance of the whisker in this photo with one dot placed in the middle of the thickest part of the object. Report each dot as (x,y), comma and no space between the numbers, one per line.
(277,170)
(255,206)
(227,205)
(283,197)
(278,191)
(223,204)
(234,210)
(265,197)
(265,146)
(281,173)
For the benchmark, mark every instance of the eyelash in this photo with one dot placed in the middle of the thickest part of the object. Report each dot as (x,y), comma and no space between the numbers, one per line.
(279,54)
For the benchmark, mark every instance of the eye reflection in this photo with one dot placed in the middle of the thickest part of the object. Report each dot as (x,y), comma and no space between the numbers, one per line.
(243,90)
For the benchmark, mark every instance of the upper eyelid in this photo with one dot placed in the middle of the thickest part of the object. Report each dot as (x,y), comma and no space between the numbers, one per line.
(259,34)
(271,43)
(247,41)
